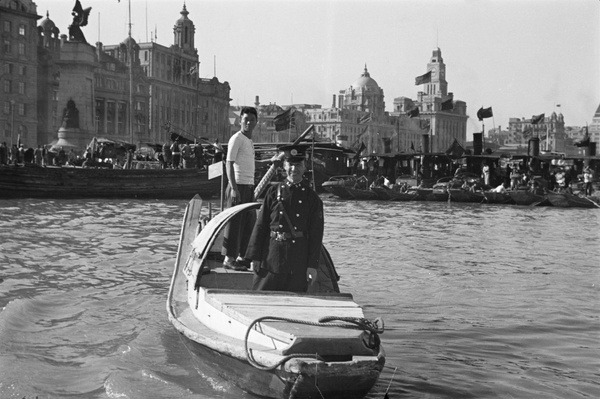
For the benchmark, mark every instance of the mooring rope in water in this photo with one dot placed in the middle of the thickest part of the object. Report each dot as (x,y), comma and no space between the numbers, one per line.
(357,323)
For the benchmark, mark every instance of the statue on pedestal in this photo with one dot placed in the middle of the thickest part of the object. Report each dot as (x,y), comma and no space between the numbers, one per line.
(70,116)
(80,18)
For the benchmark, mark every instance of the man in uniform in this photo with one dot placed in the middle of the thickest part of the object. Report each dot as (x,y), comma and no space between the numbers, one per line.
(286,241)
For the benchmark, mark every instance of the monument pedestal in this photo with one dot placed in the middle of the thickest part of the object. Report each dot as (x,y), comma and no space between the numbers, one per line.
(70,138)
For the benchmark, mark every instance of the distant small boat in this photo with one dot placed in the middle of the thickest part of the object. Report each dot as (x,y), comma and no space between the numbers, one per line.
(273,344)
(567,200)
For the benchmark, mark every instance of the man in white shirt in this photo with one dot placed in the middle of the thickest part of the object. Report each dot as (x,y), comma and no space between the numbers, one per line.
(240,189)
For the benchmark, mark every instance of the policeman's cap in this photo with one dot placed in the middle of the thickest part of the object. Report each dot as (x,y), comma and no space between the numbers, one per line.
(293,153)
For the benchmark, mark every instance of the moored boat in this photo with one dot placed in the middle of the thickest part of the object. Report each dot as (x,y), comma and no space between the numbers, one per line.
(493,197)
(336,185)
(392,194)
(526,197)
(329,349)
(76,182)
(567,200)
(462,195)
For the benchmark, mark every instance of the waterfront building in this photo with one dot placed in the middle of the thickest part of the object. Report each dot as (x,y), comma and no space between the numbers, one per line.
(169,96)
(357,115)
(445,116)
(550,131)
(18,72)
(134,92)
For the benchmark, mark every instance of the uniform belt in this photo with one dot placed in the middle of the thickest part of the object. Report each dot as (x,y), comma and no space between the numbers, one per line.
(283,236)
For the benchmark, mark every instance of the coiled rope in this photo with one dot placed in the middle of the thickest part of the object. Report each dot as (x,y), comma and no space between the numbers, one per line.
(374,328)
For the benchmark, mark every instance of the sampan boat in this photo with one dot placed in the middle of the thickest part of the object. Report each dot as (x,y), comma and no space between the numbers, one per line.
(327,350)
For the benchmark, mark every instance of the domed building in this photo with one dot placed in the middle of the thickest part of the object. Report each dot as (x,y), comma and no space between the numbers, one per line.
(363,95)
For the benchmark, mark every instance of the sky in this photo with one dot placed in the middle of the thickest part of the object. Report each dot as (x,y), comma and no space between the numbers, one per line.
(520,57)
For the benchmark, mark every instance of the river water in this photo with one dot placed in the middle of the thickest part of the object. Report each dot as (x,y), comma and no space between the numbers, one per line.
(479,301)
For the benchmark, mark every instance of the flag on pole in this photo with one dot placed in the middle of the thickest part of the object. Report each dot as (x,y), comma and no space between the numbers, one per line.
(413,113)
(535,119)
(484,113)
(284,120)
(426,78)
(365,119)
(412,146)
(193,70)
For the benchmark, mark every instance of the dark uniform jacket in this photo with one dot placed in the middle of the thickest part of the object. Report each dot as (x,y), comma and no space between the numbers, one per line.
(290,255)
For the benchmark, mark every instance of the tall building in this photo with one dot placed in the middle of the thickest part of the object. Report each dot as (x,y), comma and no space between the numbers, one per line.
(178,99)
(446,116)
(18,72)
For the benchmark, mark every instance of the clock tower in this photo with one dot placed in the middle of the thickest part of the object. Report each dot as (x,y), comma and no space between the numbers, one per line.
(438,86)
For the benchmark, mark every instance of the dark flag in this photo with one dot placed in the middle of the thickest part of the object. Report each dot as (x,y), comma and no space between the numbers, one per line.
(455,150)
(448,104)
(283,120)
(413,113)
(527,133)
(412,146)
(425,125)
(426,78)
(535,119)
(484,113)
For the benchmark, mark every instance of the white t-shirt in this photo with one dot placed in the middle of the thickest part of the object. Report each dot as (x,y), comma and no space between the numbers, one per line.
(240,151)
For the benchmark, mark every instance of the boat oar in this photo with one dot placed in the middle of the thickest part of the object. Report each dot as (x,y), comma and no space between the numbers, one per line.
(267,177)
(592,201)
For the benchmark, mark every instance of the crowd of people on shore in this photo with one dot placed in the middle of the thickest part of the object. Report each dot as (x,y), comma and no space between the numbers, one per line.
(173,155)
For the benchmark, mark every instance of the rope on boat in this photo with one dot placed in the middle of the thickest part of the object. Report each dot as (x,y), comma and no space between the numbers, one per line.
(373,327)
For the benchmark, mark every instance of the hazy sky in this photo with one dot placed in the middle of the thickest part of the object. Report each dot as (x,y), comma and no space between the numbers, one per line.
(521,57)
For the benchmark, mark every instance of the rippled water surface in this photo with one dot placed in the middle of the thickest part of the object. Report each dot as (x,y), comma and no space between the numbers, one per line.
(479,301)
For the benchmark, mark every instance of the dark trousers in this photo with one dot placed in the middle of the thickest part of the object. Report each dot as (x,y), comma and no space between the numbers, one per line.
(236,233)
(267,281)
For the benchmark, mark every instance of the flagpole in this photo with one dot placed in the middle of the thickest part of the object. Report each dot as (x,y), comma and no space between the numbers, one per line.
(130,49)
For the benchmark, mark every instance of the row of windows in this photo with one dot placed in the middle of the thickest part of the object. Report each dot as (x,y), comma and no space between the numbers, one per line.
(19,108)
(7,47)
(9,69)
(8,28)
(9,86)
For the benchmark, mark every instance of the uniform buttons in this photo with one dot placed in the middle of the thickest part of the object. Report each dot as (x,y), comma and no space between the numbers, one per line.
(280,226)
(293,241)
(281,212)
(299,201)
(297,215)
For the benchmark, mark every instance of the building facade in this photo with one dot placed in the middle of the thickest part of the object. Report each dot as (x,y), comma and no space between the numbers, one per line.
(18,72)
(445,116)
(138,93)
(550,131)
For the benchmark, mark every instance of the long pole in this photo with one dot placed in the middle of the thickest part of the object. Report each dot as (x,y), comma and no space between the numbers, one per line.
(12,121)
(131,113)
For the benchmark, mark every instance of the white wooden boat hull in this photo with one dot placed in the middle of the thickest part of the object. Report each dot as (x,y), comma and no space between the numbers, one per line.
(214,313)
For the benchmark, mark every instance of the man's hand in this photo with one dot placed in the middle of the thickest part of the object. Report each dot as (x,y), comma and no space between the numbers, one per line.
(235,196)
(311,274)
